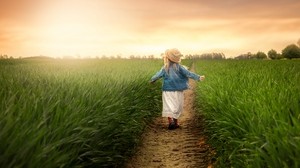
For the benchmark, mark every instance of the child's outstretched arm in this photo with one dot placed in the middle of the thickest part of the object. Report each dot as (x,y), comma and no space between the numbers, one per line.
(157,76)
(190,74)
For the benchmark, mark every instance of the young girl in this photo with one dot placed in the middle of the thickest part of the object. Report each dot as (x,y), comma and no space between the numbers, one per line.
(175,80)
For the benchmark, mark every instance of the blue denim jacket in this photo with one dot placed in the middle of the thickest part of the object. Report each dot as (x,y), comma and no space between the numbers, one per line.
(176,79)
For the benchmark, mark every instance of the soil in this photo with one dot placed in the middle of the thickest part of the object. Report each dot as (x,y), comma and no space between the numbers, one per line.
(184,147)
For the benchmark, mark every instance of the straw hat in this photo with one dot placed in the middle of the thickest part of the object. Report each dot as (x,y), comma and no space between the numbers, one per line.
(173,55)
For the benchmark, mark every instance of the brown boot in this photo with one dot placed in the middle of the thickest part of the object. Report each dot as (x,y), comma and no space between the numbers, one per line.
(172,124)
(176,123)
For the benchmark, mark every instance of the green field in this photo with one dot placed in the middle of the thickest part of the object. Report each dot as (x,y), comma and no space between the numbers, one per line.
(91,113)
(252,110)
(66,113)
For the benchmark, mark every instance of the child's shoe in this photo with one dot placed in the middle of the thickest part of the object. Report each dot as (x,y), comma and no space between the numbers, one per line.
(172,126)
(176,123)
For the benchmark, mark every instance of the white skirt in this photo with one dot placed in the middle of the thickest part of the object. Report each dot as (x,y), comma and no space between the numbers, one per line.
(172,104)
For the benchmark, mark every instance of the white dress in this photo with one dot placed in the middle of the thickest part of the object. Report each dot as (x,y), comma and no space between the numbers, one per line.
(172,104)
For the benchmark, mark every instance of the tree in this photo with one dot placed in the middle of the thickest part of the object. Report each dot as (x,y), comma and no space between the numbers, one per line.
(291,51)
(150,56)
(249,55)
(298,42)
(104,57)
(260,55)
(272,54)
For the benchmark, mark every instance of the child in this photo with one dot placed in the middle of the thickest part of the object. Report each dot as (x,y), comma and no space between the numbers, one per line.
(175,80)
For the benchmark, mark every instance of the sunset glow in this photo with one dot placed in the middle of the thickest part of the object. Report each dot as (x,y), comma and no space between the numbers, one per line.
(95,27)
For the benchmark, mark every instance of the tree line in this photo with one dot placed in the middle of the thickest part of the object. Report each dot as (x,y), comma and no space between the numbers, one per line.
(289,52)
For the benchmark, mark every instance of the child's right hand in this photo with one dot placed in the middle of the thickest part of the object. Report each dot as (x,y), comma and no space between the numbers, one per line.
(202,77)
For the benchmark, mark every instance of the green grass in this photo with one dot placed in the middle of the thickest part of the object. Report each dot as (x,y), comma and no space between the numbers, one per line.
(252,111)
(74,113)
(91,113)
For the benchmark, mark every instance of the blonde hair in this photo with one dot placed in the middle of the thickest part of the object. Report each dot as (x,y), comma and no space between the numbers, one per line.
(167,63)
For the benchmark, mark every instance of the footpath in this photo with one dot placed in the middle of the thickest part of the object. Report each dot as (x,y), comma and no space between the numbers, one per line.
(184,147)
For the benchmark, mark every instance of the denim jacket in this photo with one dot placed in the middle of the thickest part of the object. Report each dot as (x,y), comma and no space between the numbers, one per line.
(176,79)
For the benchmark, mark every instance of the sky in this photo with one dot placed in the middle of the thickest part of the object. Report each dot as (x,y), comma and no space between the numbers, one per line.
(89,28)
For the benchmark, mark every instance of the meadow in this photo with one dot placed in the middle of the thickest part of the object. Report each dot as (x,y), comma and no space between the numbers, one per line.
(252,111)
(74,113)
(91,113)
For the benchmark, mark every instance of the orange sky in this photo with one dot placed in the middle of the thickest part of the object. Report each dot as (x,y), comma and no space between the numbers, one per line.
(143,27)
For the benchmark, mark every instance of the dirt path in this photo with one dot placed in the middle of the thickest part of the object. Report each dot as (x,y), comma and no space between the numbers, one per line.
(184,147)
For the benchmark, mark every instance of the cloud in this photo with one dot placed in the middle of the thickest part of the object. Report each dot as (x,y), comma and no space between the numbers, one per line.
(86,26)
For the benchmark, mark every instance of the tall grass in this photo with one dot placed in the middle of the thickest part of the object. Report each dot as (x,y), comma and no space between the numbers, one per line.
(76,113)
(252,109)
